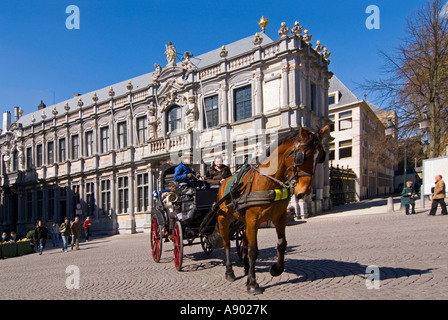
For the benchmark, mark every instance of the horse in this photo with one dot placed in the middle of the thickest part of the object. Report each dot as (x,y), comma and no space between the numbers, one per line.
(297,156)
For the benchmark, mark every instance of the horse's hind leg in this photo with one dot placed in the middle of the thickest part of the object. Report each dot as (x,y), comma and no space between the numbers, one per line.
(279,266)
(251,234)
(224,224)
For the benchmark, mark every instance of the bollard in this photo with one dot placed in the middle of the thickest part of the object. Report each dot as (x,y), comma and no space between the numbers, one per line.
(390,204)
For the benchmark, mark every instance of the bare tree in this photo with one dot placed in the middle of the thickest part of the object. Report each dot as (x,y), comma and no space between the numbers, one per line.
(416,76)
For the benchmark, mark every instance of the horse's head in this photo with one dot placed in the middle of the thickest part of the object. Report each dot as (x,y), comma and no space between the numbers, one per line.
(303,159)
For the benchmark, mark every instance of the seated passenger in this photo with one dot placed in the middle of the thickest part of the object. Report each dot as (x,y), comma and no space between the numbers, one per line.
(218,172)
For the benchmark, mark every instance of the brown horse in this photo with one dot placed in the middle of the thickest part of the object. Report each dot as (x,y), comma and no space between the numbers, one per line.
(295,160)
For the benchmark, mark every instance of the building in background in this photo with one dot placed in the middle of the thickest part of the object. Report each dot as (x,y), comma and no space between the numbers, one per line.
(360,142)
(103,153)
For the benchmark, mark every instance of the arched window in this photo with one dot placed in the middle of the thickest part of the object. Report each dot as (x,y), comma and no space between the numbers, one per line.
(174,119)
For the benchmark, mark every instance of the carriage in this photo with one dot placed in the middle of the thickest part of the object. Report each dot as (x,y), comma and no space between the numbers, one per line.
(196,224)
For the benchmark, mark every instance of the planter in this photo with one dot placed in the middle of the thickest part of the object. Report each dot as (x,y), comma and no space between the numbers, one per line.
(9,250)
(24,248)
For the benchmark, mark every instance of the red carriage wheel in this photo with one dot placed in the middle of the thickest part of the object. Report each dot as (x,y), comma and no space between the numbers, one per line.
(156,239)
(178,242)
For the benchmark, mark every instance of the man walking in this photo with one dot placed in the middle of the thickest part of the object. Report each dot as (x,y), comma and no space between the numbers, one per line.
(438,197)
(75,228)
(87,225)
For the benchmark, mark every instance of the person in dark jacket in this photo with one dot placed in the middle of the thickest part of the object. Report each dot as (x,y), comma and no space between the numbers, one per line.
(40,236)
(407,197)
(183,174)
(64,229)
(75,228)
(218,172)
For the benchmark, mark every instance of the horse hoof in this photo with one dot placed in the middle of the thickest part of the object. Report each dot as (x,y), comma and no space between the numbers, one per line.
(274,272)
(254,290)
(230,276)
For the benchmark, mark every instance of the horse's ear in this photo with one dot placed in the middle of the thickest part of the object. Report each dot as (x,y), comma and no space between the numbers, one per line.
(323,132)
(303,134)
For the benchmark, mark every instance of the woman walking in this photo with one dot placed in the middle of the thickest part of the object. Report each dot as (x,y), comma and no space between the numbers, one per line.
(40,236)
(407,197)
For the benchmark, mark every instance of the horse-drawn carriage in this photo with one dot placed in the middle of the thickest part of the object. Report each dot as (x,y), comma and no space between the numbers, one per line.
(197,204)
(243,202)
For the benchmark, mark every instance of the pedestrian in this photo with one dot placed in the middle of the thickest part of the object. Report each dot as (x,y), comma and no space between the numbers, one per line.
(64,229)
(40,236)
(438,196)
(54,232)
(87,225)
(75,228)
(407,198)
(5,237)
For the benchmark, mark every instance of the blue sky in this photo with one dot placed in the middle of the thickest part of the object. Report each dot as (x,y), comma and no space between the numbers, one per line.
(40,59)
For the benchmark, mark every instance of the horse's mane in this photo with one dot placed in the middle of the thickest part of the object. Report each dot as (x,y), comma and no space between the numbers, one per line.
(294,134)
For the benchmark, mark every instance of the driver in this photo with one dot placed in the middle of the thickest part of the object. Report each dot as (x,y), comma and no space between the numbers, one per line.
(183,174)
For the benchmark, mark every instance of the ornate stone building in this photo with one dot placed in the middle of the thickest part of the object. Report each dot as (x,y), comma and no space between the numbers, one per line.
(103,153)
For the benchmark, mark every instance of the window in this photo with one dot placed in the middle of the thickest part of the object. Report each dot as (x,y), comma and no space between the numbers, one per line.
(104,137)
(76,194)
(40,203)
(90,198)
(174,119)
(62,150)
(243,103)
(313,100)
(50,210)
(50,153)
(211,112)
(105,196)
(331,118)
(122,135)
(75,147)
(15,161)
(345,120)
(142,192)
(29,206)
(331,99)
(89,143)
(142,129)
(29,158)
(331,155)
(345,149)
(123,198)
(39,155)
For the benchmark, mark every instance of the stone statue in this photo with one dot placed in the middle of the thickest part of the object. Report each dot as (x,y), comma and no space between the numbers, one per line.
(170,54)
(156,73)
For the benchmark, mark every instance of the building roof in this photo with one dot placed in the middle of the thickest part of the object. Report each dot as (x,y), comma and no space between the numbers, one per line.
(212,57)
(345,95)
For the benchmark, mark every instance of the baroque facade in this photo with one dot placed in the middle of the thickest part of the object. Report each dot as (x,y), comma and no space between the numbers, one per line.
(103,153)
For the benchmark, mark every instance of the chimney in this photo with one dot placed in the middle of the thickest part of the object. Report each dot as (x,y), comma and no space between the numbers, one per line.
(41,105)
(16,113)
(76,95)
(6,121)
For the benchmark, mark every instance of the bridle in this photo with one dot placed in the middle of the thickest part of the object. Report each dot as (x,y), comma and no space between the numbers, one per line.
(299,158)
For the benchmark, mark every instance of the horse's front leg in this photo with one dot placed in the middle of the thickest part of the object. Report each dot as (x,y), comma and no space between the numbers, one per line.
(251,234)
(224,224)
(279,266)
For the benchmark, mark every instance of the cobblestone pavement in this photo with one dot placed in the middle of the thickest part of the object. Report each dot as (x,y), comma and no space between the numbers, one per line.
(326,258)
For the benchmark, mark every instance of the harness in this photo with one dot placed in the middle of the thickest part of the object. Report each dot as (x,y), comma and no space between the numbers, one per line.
(241,201)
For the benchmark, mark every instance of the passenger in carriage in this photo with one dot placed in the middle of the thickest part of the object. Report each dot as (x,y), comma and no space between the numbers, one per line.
(217,173)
